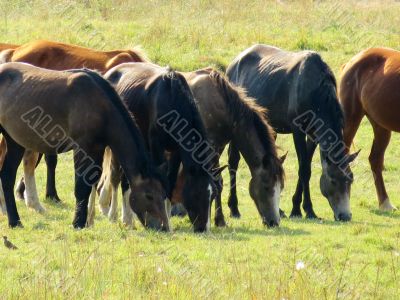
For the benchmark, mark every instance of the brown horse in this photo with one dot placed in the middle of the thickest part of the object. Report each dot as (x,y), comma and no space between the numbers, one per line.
(370,87)
(59,56)
(54,112)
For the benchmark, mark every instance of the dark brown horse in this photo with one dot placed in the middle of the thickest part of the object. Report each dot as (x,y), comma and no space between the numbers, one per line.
(164,107)
(53,112)
(299,91)
(228,114)
(59,56)
(370,87)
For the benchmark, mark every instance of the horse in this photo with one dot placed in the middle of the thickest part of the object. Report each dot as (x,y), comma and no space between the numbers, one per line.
(165,110)
(228,114)
(59,56)
(53,112)
(368,86)
(299,91)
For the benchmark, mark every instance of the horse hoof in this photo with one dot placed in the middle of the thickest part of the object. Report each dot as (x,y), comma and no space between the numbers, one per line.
(54,199)
(17,224)
(295,214)
(37,207)
(235,214)
(220,222)
(387,206)
(312,216)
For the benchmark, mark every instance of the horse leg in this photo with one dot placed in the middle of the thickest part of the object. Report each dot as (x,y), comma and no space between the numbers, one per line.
(51,191)
(219,218)
(20,190)
(3,151)
(175,182)
(105,189)
(31,194)
(87,174)
(304,171)
(127,212)
(233,162)
(91,207)
(7,175)
(307,204)
(376,159)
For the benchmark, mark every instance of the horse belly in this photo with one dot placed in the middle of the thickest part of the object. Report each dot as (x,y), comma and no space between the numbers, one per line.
(381,103)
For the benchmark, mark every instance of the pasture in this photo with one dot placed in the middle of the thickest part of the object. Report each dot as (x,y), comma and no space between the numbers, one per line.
(302,259)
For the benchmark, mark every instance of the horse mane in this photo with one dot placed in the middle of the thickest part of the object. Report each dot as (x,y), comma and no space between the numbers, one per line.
(144,162)
(183,100)
(139,54)
(327,92)
(245,110)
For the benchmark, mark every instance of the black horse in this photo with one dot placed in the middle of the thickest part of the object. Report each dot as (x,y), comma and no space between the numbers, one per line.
(53,112)
(165,110)
(299,91)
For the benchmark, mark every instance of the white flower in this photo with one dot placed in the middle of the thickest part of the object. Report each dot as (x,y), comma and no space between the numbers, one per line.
(159,270)
(164,283)
(396,253)
(300,265)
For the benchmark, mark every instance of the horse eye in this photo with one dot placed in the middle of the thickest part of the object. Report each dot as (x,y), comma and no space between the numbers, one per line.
(334,182)
(149,197)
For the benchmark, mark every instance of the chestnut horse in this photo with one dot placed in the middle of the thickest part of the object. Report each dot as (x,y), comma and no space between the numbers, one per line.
(370,87)
(299,91)
(55,112)
(7,46)
(59,56)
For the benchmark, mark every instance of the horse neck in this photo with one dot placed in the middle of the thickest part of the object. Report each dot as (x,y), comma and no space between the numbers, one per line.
(126,148)
(249,145)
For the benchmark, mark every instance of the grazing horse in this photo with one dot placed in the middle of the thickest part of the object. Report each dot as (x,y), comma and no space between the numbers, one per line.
(165,110)
(229,115)
(59,56)
(299,91)
(54,112)
(370,87)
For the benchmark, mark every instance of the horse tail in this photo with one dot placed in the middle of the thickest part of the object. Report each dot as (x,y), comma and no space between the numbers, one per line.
(106,169)
(6,55)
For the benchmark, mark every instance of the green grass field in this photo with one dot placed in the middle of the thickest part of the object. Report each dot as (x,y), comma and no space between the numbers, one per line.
(301,259)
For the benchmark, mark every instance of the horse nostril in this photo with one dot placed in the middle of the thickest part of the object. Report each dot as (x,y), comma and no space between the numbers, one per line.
(344,217)
(273,223)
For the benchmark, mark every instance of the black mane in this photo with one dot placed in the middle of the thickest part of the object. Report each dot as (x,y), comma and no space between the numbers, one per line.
(246,111)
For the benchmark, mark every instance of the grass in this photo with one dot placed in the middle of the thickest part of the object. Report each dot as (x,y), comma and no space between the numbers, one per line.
(357,260)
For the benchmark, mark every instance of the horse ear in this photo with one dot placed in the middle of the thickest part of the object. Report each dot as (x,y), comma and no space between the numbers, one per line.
(217,171)
(353,156)
(283,157)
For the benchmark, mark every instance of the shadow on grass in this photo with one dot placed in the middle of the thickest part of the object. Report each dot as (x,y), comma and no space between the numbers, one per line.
(392,215)
(238,233)
(324,222)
